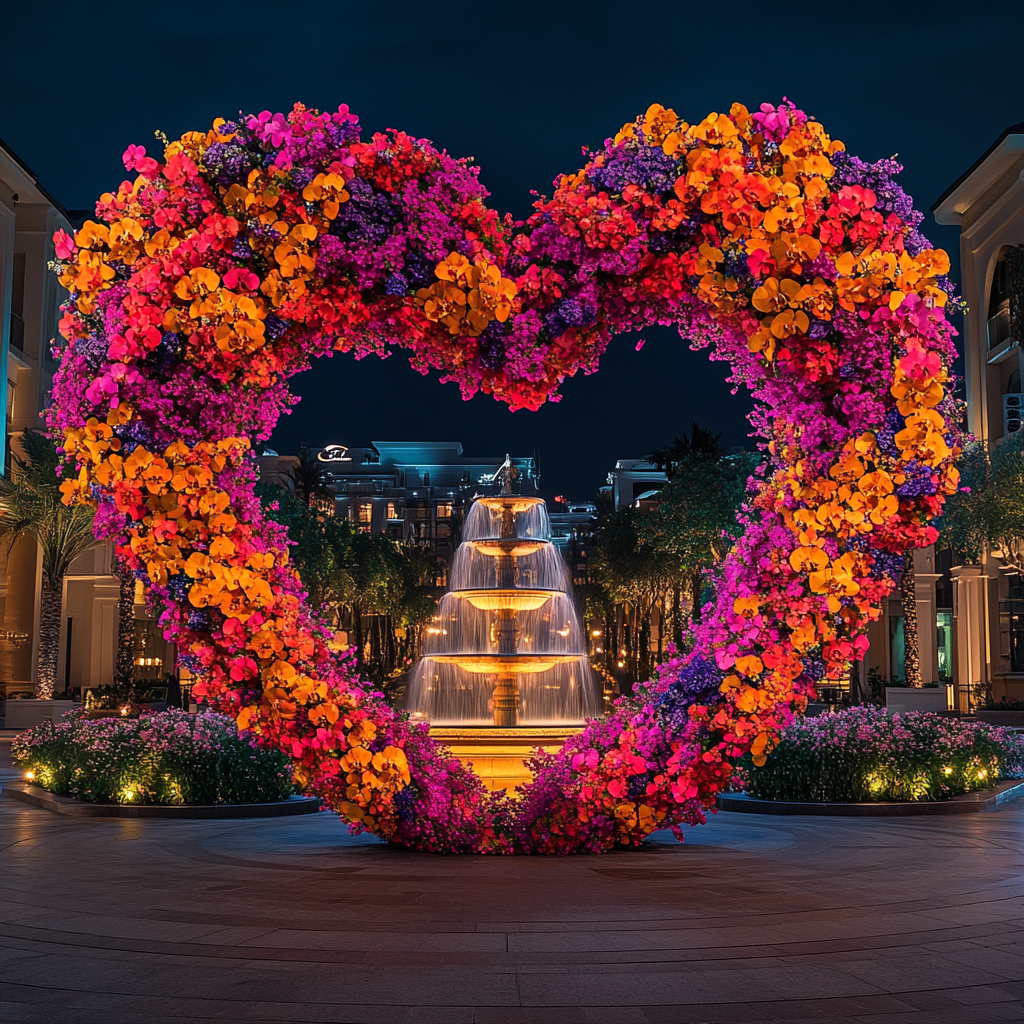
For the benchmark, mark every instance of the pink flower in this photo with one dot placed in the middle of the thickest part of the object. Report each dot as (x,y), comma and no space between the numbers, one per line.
(63,244)
(272,128)
(135,159)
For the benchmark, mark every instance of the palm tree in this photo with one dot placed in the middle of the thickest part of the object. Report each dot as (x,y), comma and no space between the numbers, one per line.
(31,506)
(911,636)
(310,478)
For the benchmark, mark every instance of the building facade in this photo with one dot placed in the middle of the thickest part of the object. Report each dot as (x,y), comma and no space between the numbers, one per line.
(987,203)
(30,300)
(631,480)
(416,492)
(572,532)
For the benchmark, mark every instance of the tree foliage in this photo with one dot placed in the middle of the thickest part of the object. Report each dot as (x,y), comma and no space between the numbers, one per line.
(377,589)
(694,522)
(654,559)
(988,510)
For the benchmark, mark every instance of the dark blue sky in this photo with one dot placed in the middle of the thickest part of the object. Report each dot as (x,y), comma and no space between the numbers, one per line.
(521,87)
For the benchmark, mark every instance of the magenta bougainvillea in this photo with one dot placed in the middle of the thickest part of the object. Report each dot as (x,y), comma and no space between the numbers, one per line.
(242,253)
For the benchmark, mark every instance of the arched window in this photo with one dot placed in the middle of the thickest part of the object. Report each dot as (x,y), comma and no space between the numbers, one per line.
(999,305)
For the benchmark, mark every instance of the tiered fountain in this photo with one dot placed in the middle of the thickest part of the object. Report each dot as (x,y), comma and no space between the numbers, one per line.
(505,667)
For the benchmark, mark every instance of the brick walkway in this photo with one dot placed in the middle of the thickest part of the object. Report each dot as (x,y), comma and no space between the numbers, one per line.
(756,918)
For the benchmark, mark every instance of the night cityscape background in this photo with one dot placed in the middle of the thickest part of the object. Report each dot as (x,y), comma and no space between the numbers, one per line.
(520,87)
(421,711)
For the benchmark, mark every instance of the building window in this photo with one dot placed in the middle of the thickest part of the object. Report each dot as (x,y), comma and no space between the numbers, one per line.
(896,647)
(365,516)
(426,479)
(444,510)
(1011,624)
(444,530)
(393,511)
(324,503)
(18,303)
(944,644)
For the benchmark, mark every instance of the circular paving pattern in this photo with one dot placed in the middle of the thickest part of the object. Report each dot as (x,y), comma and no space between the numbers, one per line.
(753,919)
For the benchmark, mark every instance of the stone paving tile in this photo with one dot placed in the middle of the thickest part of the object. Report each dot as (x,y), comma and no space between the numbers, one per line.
(1004,963)
(961,1015)
(977,995)
(710,1013)
(291,921)
(935,972)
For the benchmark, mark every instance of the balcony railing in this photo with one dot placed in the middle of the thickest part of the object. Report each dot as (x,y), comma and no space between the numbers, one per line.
(1013,413)
(998,329)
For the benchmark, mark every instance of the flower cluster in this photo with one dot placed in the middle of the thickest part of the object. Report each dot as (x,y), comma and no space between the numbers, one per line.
(241,253)
(166,758)
(865,754)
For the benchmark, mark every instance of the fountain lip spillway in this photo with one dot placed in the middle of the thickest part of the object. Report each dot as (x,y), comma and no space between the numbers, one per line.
(523,664)
(499,547)
(516,502)
(519,599)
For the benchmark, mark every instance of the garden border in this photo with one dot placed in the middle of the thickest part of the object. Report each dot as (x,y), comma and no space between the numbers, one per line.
(28,794)
(967,803)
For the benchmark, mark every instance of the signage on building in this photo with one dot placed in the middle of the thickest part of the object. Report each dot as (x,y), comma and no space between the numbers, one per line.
(334,453)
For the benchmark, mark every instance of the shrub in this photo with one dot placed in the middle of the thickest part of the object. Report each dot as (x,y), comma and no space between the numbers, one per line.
(165,758)
(1006,704)
(863,754)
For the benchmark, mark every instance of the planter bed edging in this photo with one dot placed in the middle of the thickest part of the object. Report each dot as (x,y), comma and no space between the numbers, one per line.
(967,803)
(28,794)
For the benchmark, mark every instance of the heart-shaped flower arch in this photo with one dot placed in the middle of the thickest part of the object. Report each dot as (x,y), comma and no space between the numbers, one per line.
(223,268)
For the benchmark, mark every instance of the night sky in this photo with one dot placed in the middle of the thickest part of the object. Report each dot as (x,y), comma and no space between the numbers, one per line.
(521,87)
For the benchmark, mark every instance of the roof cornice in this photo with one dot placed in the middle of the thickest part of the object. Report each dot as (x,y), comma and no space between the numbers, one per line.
(950,207)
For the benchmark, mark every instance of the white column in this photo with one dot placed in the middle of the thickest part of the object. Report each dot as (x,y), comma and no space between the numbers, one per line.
(924,585)
(970,625)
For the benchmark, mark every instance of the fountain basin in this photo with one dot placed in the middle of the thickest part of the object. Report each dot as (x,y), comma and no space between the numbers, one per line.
(499,755)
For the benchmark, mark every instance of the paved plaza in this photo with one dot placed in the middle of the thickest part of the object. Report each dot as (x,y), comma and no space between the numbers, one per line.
(755,918)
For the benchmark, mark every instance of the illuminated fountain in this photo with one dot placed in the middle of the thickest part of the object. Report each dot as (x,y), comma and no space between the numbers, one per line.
(507,652)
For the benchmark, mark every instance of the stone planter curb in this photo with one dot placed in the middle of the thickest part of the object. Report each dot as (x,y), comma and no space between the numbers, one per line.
(968,803)
(901,699)
(28,712)
(28,794)
(993,716)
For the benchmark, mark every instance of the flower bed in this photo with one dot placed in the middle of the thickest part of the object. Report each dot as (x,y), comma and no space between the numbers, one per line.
(165,758)
(863,754)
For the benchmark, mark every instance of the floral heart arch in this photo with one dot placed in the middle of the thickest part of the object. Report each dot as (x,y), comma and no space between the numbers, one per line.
(222,268)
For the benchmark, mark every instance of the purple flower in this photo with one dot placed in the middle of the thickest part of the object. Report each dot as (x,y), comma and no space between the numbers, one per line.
(229,162)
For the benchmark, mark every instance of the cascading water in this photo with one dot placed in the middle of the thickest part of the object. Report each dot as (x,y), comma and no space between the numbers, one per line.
(507,648)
